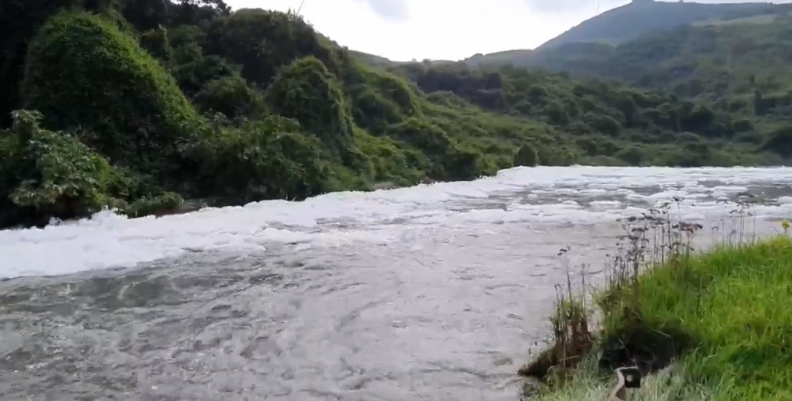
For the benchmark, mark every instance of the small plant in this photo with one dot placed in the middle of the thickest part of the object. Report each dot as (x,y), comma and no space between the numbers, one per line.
(654,242)
(571,339)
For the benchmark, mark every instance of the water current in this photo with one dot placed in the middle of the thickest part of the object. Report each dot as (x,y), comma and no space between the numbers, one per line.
(435,292)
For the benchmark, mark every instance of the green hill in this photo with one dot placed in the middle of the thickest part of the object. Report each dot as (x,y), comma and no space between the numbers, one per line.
(643,16)
(709,61)
(193,100)
(639,18)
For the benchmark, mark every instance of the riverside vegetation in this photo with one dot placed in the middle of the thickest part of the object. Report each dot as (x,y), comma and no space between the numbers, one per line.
(711,326)
(137,105)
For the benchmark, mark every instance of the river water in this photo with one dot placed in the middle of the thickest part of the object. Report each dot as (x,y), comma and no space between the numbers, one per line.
(427,293)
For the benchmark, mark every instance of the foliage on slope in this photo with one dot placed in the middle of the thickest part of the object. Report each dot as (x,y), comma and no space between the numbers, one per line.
(306,91)
(19,21)
(263,41)
(46,174)
(737,69)
(604,120)
(86,75)
(265,159)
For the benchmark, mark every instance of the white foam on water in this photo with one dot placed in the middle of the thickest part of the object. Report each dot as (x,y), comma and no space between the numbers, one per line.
(107,240)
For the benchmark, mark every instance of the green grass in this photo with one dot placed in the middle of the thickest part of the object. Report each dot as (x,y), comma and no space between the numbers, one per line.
(670,384)
(737,306)
(728,314)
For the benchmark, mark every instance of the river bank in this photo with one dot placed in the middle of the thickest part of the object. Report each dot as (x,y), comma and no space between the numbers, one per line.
(423,293)
(699,326)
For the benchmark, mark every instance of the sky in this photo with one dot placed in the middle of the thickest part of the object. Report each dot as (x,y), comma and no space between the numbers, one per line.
(403,30)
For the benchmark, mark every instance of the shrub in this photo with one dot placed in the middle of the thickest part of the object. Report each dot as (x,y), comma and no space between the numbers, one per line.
(780,141)
(83,72)
(267,159)
(307,92)
(390,161)
(449,162)
(743,125)
(526,156)
(230,96)
(263,41)
(398,91)
(372,110)
(49,174)
(631,155)
(423,135)
(151,204)
(156,43)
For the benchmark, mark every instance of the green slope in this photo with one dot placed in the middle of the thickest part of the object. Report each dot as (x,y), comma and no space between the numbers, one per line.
(639,18)
(643,16)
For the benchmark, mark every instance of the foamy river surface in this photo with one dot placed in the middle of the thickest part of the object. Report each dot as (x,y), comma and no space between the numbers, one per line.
(426,293)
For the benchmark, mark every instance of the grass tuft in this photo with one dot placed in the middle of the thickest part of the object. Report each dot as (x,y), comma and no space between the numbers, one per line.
(721,320)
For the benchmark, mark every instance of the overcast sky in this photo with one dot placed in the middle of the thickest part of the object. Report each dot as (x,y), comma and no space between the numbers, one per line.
(402,30)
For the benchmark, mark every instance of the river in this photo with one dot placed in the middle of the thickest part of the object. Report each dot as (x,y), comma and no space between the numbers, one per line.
(435,292)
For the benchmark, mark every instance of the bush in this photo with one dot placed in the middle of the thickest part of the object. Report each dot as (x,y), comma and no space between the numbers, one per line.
(230,96)
(390,161)
(372,110)
(263,41)
(743,125)
(147,205)
(307,92)
(631,155)
(49,174)
(397,91)
(423,135)
(526,156)
(449,162)
(780,141)
(605,124)
(83,72)
(156,43)
(267,159)
(462,165)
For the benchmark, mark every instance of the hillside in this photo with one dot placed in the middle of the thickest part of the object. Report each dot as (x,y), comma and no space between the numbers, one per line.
(644,16)
(138,105)
(640,17)
(739,67)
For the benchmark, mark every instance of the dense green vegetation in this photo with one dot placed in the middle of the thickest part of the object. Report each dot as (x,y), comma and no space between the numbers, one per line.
(604,122)
(704,61)
(733,63)
(163,101)
(720,318)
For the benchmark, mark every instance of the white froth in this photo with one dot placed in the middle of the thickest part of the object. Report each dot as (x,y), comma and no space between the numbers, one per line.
(544,195)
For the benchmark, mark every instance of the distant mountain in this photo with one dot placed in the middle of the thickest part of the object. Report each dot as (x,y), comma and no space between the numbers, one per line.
(642,16)
(636,19)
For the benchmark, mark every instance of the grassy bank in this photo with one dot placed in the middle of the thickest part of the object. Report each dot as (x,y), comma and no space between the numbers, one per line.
(714,326)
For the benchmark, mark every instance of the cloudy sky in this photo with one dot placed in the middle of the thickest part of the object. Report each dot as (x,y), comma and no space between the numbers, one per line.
(440,29)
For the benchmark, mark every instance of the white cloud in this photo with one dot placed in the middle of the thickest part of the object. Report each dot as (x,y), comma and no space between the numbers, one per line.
(439,29)
(390,9)
(418,29)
